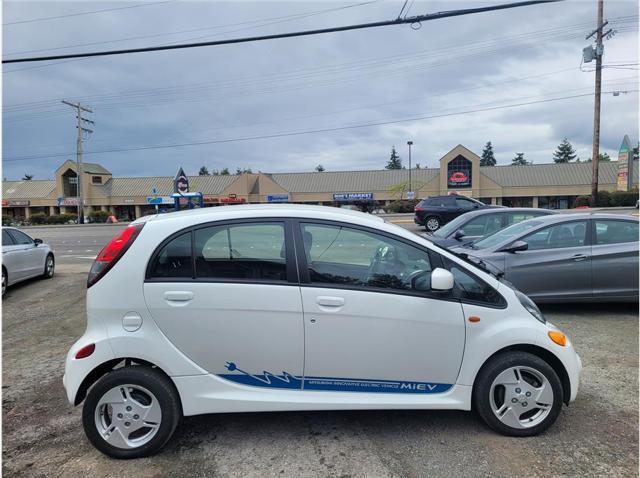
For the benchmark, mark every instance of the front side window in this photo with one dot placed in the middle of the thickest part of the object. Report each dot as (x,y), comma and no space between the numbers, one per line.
(241,251)
(20,237)
(505,234)
(483,225)
(468,287)
(346,256)
(616,232)
(516,217)
(570,234)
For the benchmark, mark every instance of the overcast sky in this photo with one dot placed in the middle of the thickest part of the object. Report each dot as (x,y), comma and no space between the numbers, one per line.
(235,92)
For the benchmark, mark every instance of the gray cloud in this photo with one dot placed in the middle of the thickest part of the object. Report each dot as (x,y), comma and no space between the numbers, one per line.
(311,83)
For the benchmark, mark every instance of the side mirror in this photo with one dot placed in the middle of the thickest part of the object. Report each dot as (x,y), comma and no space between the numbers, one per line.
(516,246)
(441,280)
(459,234)
(37,241)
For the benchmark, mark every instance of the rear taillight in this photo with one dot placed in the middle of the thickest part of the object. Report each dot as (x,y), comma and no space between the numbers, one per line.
(418,209)
(112,252)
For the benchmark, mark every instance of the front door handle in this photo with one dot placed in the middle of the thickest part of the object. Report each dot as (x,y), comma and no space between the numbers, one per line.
(178,297)
(327,301)
(579,257)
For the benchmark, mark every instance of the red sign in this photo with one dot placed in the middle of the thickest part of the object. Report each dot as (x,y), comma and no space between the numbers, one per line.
(210,199)
(458,177)
(233,200)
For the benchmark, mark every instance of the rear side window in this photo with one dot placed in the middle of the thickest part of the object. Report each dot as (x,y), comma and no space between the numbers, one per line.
(6,238)
(570,234)
(515,217)
(241,251)
(464,204)
(174,259)
(616,232)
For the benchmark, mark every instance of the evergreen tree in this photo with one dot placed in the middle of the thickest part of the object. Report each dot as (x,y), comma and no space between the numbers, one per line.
(27,177)
(488,159)
(418,166)
(203,171)
(602,157)
(225,172)
(394,160)
(320,168)
(565,152)
(519,160)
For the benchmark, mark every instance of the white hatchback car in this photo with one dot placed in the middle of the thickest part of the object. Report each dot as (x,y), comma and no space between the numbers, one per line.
(285,307)
(24,258)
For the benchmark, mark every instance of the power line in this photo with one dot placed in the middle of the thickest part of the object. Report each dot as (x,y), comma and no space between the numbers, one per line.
(42,19)
(397,21)
(314,131)
(272,20)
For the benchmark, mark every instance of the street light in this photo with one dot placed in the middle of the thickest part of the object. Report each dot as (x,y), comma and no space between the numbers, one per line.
(410,143)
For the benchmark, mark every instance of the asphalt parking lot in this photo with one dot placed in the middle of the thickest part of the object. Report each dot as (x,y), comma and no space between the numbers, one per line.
(42,434)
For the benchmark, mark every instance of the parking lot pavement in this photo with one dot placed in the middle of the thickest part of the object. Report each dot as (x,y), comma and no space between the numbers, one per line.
(42,434)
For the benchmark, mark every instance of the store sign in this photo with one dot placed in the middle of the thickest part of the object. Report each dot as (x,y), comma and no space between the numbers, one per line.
(15,203)
(210,199)
(68,201)
(232,199)
(624,162)
(458,178)
(159,200)
(277,198)
(181,182)
(353,196)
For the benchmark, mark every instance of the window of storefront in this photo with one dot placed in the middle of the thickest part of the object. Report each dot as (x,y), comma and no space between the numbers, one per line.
(518,201)
(556,202)
(459,173)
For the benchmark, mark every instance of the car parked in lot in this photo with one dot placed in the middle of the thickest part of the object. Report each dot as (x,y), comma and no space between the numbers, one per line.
(566,257)
(275,308)
(475,225)
(435,211)
(24,258)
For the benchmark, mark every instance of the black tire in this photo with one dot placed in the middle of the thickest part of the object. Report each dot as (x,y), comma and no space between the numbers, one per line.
(5,280)
(48,274)
(432,223)
(494,367)
(152,380)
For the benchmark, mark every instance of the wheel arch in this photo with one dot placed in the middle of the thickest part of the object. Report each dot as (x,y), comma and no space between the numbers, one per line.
(542,353)
(104,368)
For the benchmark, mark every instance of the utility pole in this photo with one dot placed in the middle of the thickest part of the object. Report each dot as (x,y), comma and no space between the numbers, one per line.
(595,155)
(79,139)
(409,143)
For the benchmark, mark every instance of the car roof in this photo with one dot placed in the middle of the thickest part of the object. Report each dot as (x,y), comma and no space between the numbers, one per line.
(266,210)
(556,218)
(504,210)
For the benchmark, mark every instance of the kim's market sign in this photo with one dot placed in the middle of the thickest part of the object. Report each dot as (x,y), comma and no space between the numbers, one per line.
(353,196)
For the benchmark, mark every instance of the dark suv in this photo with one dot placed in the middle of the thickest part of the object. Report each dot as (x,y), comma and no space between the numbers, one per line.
(436,211)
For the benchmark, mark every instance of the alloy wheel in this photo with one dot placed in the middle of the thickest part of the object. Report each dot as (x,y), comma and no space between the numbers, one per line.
(50,266)
(128,416)
(433,224)
(521,397)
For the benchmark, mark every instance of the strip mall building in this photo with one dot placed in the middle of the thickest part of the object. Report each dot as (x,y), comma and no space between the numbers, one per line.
(544,185)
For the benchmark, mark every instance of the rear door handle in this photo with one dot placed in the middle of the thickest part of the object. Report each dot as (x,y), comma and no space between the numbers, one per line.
(579,257)
(178,297)
(327,301)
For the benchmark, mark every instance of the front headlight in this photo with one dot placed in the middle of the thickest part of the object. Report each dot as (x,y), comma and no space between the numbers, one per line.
(530,306)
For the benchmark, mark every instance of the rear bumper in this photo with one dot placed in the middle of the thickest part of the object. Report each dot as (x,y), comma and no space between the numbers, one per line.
(418,220)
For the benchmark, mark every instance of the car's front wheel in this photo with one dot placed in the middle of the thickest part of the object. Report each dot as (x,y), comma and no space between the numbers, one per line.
(4,281)
(432,223)
(518,394)
(131,412)
(49,267)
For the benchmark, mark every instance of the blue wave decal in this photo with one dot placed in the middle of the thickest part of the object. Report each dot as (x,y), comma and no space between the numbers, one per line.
(288,381)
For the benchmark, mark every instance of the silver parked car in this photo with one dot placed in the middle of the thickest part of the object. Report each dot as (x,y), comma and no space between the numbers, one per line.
(24,258)
(565,257)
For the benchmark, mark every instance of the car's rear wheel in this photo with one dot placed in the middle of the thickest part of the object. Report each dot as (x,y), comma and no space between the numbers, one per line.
(518,394)
(49,267)
(131,412)
(4,281)
(432,223)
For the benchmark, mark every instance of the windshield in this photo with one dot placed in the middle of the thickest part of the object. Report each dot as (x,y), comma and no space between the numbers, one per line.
(450,227)
(505,234)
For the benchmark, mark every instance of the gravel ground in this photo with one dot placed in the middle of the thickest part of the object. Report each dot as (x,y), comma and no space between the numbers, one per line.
(42,434)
